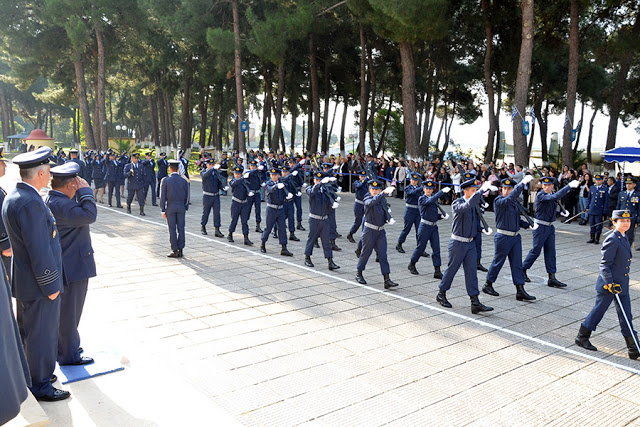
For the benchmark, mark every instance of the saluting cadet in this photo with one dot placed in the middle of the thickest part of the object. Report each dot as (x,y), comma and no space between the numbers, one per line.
(163,165)
(630,200)
(135,184)
(239,208)
(276,194)
(508,242)
(73,157)
(613,279)
(598,205)
(374,237)
(297,182)
(88,168)
(36,273)
(98,177)
(5,245)
(545,235)
(428,229)
(74,208)
(112,179)
(212,183)
(174,203)
(412,192)
(185,163)
(255,183)
(149,169)
(361,187)
(462,249)
(319,208)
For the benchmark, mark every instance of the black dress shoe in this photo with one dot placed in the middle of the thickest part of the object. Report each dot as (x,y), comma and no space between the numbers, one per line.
(155,204)
(84,360)
(481,267)
(442,299)
(425,255)
(399,248)
(307,261)
(488,289)
(173,254)
(54,378)
(54,396)
(119,206)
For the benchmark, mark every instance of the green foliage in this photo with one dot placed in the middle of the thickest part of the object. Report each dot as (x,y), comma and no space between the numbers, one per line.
(394,137)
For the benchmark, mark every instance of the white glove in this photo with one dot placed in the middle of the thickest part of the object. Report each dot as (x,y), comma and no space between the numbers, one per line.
(527,179)
(335,205)
(226,188)
(280,185)
(289,196)
(392,221)
(251,193)
(260,167)
(446,216)
(484,205)
(294,173)
(305,185)
(389,210)
(301,162)
(246,175)
(263,184)
(574,184)
(388,190)
(299,193)
(333,178)
(486,186)
(339,190)
(325,180)
(216,166)
(336,167)
(445,190)
(338,198)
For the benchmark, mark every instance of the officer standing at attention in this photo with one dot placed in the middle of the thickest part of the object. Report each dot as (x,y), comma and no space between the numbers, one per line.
(630,200)
(374,237)
(149,168)
(254,181)
(297,182)
(36,273)
(135,184)
(88,168)
(112,179)
(598,205)
(319,208)
(212,183)
(239,208)
(508,242)
(5,245)
(98,177)
(412,192)
(361,187)
(613,279)
(74,208)
(174,203)
(462,248)
(545,235)
(163,166)
(275,194)
(428,230)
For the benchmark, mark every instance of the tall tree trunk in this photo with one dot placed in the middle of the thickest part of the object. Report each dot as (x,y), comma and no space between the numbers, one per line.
(426,130)
(12,122)
(544,131)
(522,82)
(310,118)
(204,108)
(373,109)
(497,115)
(51,134)
(488,81)
(101,118)
(81,91)
(593,117)
(443,123)
(386,125)
(238,71)
(6,128)
(409,100)
(97,129)
(572,83)
(315,96)
(185,127)
(279,100)
(294,125)
(325,122)
(172,139)
(343,125)
(164,126)
(364,92)
(333,120)
(216,135)
(74,126)
(153,111)
(575,146)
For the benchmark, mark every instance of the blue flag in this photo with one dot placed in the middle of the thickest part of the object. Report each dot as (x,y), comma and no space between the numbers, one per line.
(533,116)
(566,120)
(514,113)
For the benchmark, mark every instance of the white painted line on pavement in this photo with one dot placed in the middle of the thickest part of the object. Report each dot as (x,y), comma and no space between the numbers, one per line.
(393,294)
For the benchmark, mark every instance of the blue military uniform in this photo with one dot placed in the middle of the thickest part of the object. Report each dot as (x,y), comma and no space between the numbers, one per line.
(298,181)
(332,215)
(98,172)
(35,275)
(411,213)
(88,168)
(149,176)
(613,278)
(255,183)
(290,182)
(428,230)
(275,194)
(185,163)
(163,166)
(77,161)
(319,208)
(135,184)
(598,206)
(174,203)
(544,237)
(212,183)
(630,201)
(4,236)
(361,188)
(112,179)
(73,217)
(239,207)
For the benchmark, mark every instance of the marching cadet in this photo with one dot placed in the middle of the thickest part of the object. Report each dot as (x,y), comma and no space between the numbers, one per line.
(74,208)
(276,193)
(239,209)
(88,168)
(174,203)
(319,208)
(298,181)
(163,166)
(112,179)
(36,273)
(412,192)
(98,177)
(149,175)
(122,161)
(462,249)
(374,237)
(545,235)
(428,229)
(630,200)
(478,239)
(135,183)
(328,169)
(5,245)
(212,183)
(254,181)
(598,205)
(613,284)
(289,178)
(508,242)
(361,187)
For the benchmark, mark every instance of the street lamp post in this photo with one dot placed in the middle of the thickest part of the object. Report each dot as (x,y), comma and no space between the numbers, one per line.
(120,129)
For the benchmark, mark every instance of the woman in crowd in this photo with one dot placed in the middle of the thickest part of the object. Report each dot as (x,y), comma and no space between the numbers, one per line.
(583,196)
(444,179)
(455,179)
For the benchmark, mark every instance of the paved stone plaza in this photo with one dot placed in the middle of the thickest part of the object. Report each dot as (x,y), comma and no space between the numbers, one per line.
(229,335)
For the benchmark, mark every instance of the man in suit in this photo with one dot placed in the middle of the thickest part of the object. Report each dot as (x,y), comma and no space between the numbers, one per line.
(163,165)
(36,273)
(74,208)
(112,179)
(630,200)
(135,183)
(149,175)
(613,187)
(174,203)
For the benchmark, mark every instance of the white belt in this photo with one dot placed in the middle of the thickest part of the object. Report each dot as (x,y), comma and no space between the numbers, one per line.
(507,232)
(411,206)
(462,239)
(541,222)
(274,206)
(321,218)
(235,199)
(360,202)
(374,227)
(424,221)
(206,193)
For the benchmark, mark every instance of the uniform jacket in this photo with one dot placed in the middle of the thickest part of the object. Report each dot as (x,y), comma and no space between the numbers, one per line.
(361,188)
(598,199)
(412,194)
(428,207)
(98,172)
(374,212)
(465,217)
(275,195)
(254,180)
(36,270)
(508,212)
(631,203)
(319,202)
(238,189)
(616,260)
(73,217)
(163,167)
(111,170)
(134,173)
(614,191)
(4,237)
(212,182)
(79,163)
(149,168)
(174,194)
(546,204)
